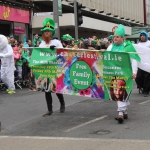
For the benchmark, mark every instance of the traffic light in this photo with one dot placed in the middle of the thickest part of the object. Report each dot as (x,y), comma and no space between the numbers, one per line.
(79,13)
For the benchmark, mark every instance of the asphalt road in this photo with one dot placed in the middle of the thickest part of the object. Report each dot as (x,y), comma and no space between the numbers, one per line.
(84,119)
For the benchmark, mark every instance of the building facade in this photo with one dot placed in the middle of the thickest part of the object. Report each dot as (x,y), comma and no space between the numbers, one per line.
(99,16)
(14,19)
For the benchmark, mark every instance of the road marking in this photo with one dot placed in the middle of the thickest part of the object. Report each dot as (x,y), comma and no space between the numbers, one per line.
(86,123)
(72,139)
(144,102)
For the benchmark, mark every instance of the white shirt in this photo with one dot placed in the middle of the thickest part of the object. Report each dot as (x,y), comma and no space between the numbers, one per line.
(54,42)
(145,44)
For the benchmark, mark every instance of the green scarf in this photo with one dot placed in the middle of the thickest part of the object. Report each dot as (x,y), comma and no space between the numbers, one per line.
(118,48)
(126,47)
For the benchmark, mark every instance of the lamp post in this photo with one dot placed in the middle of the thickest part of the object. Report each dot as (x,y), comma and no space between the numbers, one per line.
(76,21)
(56,18)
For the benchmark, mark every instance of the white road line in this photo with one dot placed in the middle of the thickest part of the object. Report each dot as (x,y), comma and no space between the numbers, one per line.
(86,123)
(72,139)
(144,102)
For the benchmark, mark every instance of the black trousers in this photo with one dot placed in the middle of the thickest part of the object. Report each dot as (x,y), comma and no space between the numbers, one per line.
(143,80)
(49,100)
(25,71)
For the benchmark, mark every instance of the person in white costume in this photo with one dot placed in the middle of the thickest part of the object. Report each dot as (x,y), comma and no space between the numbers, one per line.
(7,64)
(118,46)
(143,77)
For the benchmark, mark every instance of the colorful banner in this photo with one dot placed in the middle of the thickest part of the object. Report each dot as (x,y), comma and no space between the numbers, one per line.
(83,73)
(16,15)
(44,67)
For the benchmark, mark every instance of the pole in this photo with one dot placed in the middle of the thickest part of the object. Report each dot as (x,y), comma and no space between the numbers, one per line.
(76,21)
(56,18)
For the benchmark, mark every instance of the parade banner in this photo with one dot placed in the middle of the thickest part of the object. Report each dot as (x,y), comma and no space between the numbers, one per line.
(43,64)
(87,73)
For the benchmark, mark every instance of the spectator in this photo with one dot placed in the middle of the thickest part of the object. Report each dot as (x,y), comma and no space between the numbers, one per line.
(12,41)
(29,42)
(66,40)
(37,41)
(8,38)
(18,62)
(16,54)
(25,60)
(143,77)
(16,43)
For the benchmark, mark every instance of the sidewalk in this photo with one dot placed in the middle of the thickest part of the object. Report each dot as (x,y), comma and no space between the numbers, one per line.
(60,143)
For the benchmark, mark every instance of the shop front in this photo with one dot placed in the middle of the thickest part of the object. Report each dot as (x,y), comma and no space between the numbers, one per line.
(14,22)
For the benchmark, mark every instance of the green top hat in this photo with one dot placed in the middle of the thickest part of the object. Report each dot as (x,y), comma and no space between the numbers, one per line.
(120,31)
(76,42)
(49,25)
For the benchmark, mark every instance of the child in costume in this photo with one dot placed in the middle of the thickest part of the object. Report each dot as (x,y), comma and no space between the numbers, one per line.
(119,45)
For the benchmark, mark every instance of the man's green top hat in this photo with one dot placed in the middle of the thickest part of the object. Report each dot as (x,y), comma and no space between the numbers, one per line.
(48,25)
(120,31)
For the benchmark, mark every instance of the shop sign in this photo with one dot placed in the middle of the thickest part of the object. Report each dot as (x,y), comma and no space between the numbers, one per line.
(15,15)
(43,14)
(19,30)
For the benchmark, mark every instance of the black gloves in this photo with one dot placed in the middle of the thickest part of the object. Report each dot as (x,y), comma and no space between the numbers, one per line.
(52,47)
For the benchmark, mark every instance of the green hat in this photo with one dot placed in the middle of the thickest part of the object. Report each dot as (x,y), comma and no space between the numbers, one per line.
(94,42)
(67,37)
(120,31)
(81,39)
(76,42)
(110,37)
(49,25)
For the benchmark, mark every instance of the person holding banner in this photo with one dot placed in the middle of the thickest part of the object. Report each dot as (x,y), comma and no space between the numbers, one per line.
(143,77)
(119,45)
(47,32)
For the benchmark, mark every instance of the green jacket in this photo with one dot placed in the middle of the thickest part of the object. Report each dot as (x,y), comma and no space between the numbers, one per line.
(35,40)
(25,56)
(19,62)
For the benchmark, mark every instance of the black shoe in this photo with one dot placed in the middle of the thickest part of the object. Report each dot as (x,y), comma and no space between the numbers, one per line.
(120,119)
(145,94)
(140,90)
(62,108)
(48,113)
(125,116)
